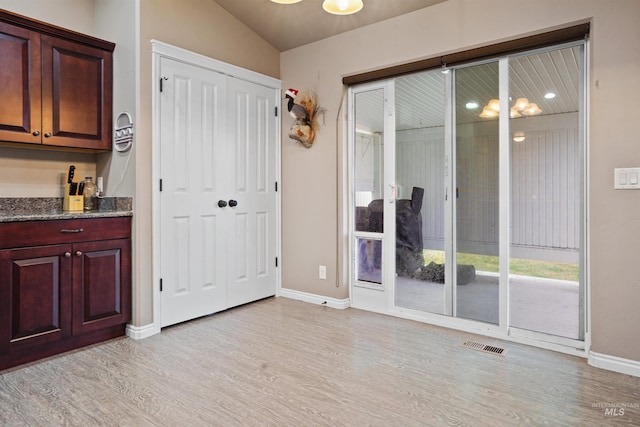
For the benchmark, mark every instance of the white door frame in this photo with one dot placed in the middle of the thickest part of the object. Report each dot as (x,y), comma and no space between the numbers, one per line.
(159,50)
(381,298)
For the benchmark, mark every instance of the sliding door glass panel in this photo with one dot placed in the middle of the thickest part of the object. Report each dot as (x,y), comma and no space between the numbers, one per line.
(368,185)
(476,193)
(420,174)
(546,170)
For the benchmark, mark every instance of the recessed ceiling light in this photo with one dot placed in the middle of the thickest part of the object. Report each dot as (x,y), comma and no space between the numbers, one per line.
(549,95)
(472,105)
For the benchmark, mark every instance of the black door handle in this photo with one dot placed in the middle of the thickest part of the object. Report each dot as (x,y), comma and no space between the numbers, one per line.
(233,203)
(222,203)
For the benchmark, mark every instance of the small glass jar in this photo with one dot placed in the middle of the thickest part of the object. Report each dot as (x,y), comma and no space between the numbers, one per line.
(89,193)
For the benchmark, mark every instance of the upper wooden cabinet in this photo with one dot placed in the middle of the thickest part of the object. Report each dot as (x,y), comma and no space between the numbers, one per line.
(56,86)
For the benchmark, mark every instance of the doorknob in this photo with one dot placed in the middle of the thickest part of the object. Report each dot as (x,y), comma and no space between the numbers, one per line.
(233,203)
(222,203)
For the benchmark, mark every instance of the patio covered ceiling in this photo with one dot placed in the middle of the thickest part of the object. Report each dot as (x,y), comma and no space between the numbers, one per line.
(531,76)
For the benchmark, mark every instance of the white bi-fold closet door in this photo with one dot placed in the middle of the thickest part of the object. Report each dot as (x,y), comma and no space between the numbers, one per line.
(218,201)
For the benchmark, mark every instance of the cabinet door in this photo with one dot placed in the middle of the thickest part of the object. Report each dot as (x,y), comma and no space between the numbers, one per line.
(35,293)
(76,95)
(101,284)
(19,84)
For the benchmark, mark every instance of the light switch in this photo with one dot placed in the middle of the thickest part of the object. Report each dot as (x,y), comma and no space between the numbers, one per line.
(627,178)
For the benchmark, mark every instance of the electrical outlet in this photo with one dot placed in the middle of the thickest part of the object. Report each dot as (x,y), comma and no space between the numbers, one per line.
(322,272)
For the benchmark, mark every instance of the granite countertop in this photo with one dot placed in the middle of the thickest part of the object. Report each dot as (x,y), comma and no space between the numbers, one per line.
(14,209)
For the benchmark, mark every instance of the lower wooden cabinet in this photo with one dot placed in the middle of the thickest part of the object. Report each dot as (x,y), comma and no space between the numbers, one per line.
(71,290)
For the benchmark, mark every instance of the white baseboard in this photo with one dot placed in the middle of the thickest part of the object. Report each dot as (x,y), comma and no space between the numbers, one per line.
(315,299)
(141,332)
(616,364)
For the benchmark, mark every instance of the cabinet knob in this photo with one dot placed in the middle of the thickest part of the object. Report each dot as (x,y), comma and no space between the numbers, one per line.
(78,253)
(233,203)
(67,254)
(222,203)
(36,133)
(47,135)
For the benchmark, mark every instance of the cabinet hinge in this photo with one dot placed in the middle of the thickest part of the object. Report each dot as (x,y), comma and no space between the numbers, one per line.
(160,285)
(160,184)
(276,261)
(276,108)
(276,186)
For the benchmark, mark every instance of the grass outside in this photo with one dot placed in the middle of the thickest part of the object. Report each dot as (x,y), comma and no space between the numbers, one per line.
(524,267)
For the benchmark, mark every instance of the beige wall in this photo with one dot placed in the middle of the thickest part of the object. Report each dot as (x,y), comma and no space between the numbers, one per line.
(309,187)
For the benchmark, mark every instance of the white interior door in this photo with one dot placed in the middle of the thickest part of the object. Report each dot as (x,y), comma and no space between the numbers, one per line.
(251,158)
(218,201)
(193,254)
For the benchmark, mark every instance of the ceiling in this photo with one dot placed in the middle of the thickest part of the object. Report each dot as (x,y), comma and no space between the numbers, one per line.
(288,26)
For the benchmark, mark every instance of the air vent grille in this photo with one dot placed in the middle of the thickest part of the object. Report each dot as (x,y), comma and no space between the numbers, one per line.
(485,348)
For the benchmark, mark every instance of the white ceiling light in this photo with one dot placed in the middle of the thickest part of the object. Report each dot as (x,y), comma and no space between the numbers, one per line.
(488,113)
(472,105)
(521,107)
(342,7)
(286,1)
(549,95)
(519,137)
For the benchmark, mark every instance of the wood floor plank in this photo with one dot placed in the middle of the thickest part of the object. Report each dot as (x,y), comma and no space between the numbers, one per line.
(280,362)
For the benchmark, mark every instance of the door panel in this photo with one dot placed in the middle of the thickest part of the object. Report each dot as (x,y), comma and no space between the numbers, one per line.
(100,281)
(545,290)
(20,84)
(368,191)
(477,196)
(218,203)
(253,149)
(76,95)
(192,247)
(420,208)
(39,295)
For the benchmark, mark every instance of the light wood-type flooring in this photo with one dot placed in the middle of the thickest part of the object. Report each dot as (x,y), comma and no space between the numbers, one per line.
(280,362)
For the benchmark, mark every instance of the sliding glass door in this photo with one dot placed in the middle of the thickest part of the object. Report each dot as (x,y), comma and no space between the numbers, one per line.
(546,293)
(468,195)
(420,187)
(476,193)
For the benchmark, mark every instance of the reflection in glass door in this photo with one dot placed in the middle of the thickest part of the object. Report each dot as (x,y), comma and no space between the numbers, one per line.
(420,199)
(476,193)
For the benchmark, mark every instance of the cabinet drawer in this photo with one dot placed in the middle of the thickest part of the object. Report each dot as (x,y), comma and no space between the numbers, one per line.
(34,233)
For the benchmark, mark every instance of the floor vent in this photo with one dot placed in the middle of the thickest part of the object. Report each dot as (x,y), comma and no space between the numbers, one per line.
(484,347)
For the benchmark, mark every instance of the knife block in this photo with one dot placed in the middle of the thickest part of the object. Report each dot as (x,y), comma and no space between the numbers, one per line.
(72,203)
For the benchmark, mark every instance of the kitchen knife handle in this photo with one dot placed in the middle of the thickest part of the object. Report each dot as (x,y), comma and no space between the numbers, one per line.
(81,189)
(72,170)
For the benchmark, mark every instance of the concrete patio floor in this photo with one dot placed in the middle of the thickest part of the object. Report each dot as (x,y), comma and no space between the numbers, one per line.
(541,305)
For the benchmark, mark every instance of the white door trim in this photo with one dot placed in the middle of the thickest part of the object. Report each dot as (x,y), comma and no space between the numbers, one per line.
(159,50)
